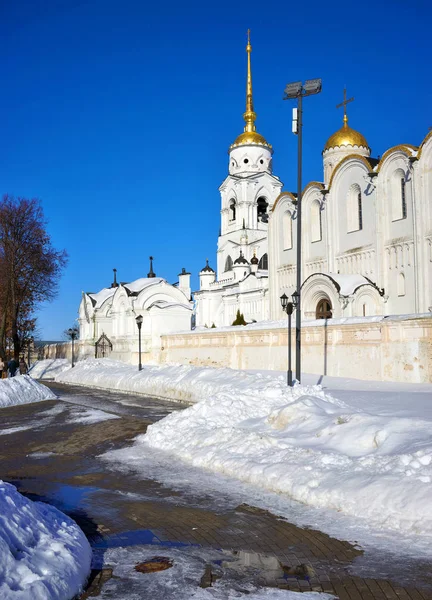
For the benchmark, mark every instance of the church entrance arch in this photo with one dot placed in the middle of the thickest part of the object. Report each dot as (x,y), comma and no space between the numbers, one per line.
(103,347)
(324,309)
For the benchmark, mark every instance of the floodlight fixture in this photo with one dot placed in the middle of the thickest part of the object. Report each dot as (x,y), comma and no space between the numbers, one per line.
(293,90)
(312,86)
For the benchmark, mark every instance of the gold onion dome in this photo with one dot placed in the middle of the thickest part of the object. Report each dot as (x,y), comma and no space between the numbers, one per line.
(346,136)
(250,134)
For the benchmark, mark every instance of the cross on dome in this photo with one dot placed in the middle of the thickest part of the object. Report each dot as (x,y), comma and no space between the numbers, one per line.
(346,136)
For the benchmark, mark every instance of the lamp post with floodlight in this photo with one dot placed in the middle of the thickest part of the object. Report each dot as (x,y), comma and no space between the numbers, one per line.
(298,91)
(139,321)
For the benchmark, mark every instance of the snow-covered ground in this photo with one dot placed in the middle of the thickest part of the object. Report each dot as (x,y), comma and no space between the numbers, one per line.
(22,389)
(44,555)
(49,368)
(370,459)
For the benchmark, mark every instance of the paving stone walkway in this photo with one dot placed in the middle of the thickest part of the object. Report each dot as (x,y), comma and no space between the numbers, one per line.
(55,460)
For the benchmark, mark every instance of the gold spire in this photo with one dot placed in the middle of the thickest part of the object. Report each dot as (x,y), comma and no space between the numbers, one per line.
(345,136)
(249,116)
(250,135)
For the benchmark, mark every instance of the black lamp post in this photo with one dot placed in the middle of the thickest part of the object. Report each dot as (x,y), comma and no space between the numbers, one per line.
(139,321)
(288,308)
(297,91)
(72,333)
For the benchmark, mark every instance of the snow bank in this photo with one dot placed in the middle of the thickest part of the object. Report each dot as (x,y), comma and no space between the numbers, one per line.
(345,455)
(22,389)
(44,555)
(176,382)
(49,368)
(312,447)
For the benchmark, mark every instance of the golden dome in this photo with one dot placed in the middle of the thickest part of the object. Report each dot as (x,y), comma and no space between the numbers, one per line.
(346,136)
(250,137)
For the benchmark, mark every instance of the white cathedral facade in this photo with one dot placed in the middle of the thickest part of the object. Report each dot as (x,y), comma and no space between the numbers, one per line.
(366,232)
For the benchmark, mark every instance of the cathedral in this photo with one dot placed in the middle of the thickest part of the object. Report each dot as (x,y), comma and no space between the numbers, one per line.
(366,232)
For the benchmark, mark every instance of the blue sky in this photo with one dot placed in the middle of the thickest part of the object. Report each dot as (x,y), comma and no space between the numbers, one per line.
(119,115)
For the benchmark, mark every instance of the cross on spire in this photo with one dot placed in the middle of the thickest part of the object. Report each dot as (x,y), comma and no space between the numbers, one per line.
(344,104)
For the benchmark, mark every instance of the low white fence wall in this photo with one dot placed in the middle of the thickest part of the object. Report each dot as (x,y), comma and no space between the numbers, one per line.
(389,349)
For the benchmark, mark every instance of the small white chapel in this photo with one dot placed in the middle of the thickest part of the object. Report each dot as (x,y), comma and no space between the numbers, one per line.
(366,231)
(107,319)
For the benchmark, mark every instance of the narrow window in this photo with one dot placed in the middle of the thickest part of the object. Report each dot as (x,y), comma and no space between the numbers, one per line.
(262,205)
(403,199)
(397,190)
(263,263)
(354,209)
(287,230)
(228,263)
(232,210)
(316,230)
(360,214)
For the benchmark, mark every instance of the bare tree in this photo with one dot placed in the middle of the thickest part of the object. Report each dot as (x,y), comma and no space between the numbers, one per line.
(30,267)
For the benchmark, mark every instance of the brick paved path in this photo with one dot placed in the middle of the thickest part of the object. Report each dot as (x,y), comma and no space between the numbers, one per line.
(61,467)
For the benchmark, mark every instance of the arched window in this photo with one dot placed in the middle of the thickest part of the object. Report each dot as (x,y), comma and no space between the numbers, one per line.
(323,309)
(287,230)
(232,207)
(228,263)
(263,263)
(398,195)
(315,216)
(262,205)
(401,284)
(354,209)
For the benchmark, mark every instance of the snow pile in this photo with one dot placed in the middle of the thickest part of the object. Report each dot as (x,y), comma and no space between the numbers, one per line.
(49,368)
(301,442)
(350,456)
(22,389)
(176,382)
(43,553)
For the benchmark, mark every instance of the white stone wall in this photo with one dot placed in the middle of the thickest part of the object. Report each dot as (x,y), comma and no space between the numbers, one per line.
(386,350)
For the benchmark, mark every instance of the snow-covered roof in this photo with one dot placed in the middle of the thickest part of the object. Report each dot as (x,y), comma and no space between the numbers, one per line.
(99,298)
(346,284)
(349,283)
(139,284)
(167,304)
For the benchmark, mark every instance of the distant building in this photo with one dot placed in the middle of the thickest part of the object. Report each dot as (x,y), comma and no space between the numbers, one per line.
(109,316)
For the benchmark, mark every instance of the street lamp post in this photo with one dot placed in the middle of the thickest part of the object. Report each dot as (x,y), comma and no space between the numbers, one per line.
(139,321)
(72,334)
(288,308)
(297,91)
